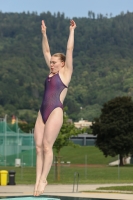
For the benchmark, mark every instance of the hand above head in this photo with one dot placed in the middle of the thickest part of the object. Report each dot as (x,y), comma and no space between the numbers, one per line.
(72,24)
(43,27)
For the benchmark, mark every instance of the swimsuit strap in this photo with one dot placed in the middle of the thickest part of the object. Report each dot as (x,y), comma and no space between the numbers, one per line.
(54,73)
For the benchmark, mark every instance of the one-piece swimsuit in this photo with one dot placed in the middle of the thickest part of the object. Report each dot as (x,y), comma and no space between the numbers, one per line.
(51,97)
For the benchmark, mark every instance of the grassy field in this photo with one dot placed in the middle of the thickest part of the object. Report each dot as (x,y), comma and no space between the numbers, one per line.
(118,188)
(93,174)
(83,154)
(88,162)
(78,155)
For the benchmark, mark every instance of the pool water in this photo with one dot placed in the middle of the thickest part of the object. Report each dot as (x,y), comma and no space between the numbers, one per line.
(78,198)
(50,198)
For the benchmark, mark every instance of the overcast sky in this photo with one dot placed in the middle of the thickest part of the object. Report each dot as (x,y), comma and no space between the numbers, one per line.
(71,8)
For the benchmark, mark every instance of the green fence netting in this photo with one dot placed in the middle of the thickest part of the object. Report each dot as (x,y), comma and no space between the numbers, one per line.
(16,147)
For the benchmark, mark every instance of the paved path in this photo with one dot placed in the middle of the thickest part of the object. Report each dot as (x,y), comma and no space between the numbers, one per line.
(127,160)
(67,190)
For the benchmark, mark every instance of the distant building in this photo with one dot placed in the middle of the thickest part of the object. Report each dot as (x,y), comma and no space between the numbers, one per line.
(82,124)
(84,139)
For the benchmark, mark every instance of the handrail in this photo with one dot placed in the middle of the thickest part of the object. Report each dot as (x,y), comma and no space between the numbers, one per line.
(76,177)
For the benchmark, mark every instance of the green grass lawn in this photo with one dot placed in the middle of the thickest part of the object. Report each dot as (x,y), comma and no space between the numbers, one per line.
(118,188)
(83,154)
(78,155)
(88,162)
(92,175)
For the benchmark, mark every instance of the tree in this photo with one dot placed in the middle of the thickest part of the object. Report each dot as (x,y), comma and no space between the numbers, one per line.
(68,129)
(27,127)
(103,48)
(114,128)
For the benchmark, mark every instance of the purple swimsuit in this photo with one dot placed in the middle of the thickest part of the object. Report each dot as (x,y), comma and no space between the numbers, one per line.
(51,97)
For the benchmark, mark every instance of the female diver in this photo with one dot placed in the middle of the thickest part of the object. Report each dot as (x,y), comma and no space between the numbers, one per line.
(50,115)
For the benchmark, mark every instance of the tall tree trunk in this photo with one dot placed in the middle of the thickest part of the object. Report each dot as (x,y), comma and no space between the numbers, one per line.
(121,160)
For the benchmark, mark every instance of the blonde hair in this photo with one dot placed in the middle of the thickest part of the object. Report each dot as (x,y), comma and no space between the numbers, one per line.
(61,56)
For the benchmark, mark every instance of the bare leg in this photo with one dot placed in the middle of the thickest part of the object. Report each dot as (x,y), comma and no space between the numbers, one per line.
(38,136)
(52,129)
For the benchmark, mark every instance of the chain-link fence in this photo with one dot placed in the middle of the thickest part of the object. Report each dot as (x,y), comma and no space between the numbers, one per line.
(16,147)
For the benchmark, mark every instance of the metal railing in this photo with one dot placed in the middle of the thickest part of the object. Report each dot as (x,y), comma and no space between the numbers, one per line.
(75,181)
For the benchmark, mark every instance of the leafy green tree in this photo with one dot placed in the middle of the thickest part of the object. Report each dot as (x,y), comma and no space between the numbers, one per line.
(86,130)
(27,127)
(102,60)
(114,128)
(67,130)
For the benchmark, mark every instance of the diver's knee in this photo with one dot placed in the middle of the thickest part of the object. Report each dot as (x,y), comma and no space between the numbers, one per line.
(39,149)
(46,148)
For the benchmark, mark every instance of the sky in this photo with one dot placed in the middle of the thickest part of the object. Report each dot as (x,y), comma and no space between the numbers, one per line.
(71,8)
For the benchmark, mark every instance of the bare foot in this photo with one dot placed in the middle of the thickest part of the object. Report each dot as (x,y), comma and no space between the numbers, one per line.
(41,187)
(35,190)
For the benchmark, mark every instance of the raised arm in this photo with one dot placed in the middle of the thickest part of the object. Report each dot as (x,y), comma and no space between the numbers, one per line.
(45,45)
(70,46)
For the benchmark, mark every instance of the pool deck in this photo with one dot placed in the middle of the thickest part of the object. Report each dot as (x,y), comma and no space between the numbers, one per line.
(67,190)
